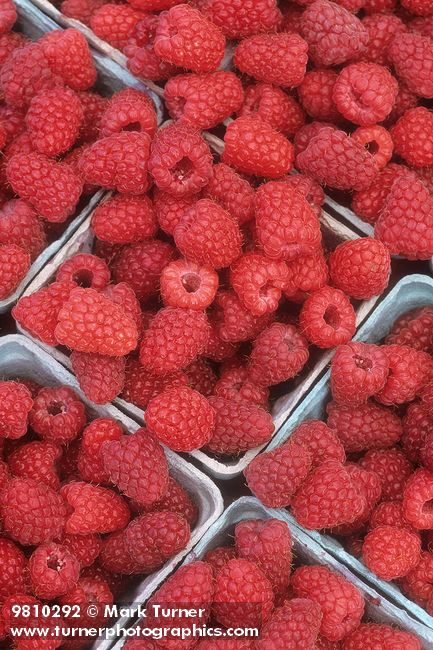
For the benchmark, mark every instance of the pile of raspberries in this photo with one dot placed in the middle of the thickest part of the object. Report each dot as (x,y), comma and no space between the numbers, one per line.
(253,585)
(84,506)
(366,475)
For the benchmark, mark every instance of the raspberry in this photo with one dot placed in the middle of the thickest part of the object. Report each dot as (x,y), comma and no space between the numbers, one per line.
(422,26)
(243,595)
(342,603)
(93,107)
(89,462)
(333,34)
(393,468)
(124,220)
(232,191)
(81,10)
(85,548)
(391,552)
(381,28)
(93,509)
(413,328)
(31,511)
(275,476)
(412,59)
(216,349)
(274,106)
(219,556)
(53,120)
(53,570)
(235,322)
(416,495)
(376,139)
(372,636)
(287,226)
(358,371)
(295,624)
(140,265)
(14,264)
(418,583)
(180,160)
(327,318)
(174,338)
(405,100)
(333,158)
(142,60)
(17,626)
(315,93)
(417,424)
(88,591)
(306,133)
(177,499)
(235,385)
(254,147)
(369,486)
(425,452)
(307,273)
(186,38)
(418,7)
(16,403)
(140,386)
(389,513)
(181,418)
(203,101)
(238,427)
(407,374)
(57,415)
(36,460)
(280,59)
(101,378)
(115,556)
(201,376)
(412,137)
(169,209)
(90,322)
(118,162)
(129,109)
(115,23)
(368,203)
(13,574)
(320,441)
(241,19)
(51,187)
(188,285)
(258,281)
(69,56)
(279,353)
(268,544)
(208,235)
(38,312)
(84,270)
(155,537)
(360,268)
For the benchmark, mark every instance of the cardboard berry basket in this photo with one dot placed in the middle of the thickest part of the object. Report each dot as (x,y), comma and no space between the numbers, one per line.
(82,241)
(308,551)
(111,77)
(21,358)
(411,292)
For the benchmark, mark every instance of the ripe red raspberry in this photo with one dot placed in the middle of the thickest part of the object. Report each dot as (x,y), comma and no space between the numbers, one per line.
(93,509)
(391,552)
(372,636)
(53,570)
(115,23)
(69,56)
(127,110)
(408,374)
(93,591)
(14,264)
(418,7)
(306,133)
(177,499)
(31,511)
(234,322)
(295,624)
(254,147)
(20,225)
(101,378)
(122,294)
(53,120)
(358,371)
(275,476)
(38,461)
(81,10)
(38,312)
(426,451)
(51,187)
(417,423)
(90,322)
(231,190)
(201,376)
(116,557)
(10,42)
(315,93)
(333,158)
(319,441)
(405,100)
(142,60)
(84,270)
(381,29)
(180,160)
(238,427)
(307,273)
(342,603)
(209,235)
(169,209)
(417,494)
(279,59)
(422,25)
(333,34)
(140,386)
(188,285)
(389,513)
(258,282)
(393,468)
(287,226)
(94,106)
(219,556)
(13,575)
(124,219)
(174,338)
(218,350)
(19,628)
(118,162)
(413,328)
(235,385)
(243,595)
(268,544)
(376,139)
(274,106)
(412,136)
(241,19)
(57,415)
(85,548)
(203,101)
(89,461)
(140,265)
(368,203)
(181,418)
(369,486)
(412,58)
(155,537)
(327,318)
(418,583)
